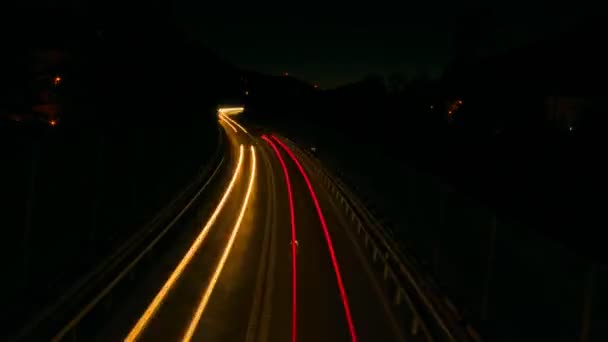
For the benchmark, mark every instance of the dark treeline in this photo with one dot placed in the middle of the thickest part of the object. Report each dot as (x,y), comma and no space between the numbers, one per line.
(522,131)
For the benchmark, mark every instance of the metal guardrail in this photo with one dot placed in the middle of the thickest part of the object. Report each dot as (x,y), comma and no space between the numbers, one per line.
(433,318)
(119,265)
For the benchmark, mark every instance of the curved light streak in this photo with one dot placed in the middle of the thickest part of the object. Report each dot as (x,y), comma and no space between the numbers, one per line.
(218,270)
(228,123)
(293,239)
(160,296)
(224,116)
(330,245)
(231,110)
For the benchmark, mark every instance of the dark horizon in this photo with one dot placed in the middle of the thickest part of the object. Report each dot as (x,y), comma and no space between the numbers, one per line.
(334,44)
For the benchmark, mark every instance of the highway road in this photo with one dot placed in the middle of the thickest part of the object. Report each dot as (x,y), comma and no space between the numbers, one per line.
(272,258)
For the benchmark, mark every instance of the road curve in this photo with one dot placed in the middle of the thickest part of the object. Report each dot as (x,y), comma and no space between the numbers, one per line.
(270,257)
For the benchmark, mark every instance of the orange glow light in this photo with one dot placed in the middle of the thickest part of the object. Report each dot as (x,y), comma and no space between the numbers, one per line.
(227,119)
(222,119)
(230,110)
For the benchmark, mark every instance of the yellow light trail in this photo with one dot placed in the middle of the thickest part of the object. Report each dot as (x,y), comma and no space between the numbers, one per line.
(205,299)
(160,296)
(233,122)
(231,110)
(228,123)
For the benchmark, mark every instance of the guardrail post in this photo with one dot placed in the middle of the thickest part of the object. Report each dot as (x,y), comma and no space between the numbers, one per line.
(74,334)
(385,273)
(375,254)
(415,324)
(485,295)
(108,302)
(398,296)
(587,305)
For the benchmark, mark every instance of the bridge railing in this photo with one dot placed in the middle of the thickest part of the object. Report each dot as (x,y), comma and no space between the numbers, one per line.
(416,299)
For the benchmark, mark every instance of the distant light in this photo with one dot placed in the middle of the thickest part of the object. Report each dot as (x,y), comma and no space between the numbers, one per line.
(432,106)
(285,73)
(230,110)
(246,92)
(316,86)
(53,123)
(57,80)
(571,128)
(459,101)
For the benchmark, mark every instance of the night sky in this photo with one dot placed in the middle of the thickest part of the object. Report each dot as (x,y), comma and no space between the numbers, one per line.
(333,44)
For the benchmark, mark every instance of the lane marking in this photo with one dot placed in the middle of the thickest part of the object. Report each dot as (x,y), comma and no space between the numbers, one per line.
(332,254)
(228,123)
(267,307)
(294,241)
(160,296)
(264,279)
(218,270)
(224,116)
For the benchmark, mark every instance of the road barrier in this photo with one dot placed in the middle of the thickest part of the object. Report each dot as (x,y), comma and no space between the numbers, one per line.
(416,300)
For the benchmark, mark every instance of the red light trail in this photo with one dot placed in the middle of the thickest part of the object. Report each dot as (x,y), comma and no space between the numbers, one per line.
(293,237)
(330,246)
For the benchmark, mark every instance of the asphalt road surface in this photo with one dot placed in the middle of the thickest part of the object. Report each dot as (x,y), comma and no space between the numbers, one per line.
(231,277)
